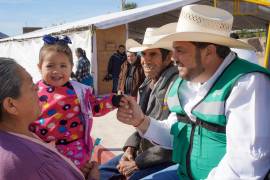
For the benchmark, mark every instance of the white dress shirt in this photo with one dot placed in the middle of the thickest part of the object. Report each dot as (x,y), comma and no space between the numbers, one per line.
(248,55)
(247,111)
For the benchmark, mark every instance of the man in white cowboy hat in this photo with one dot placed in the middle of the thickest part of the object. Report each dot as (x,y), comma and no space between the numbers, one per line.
(219,121)
(141,157)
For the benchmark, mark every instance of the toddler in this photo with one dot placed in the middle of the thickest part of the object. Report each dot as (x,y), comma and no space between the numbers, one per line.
(67,106)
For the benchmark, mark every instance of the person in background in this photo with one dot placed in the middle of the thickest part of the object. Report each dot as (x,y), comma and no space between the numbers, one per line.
(68,106)
(249,55)
(141,157)
(83,68)
(22,155)
(114,66)
(131,75)
(219,123)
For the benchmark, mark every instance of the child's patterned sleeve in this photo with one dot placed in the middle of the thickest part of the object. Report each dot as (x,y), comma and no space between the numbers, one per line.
(101,105)
(39,127)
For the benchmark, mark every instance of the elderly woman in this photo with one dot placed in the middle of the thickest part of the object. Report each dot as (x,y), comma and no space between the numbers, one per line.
(22,155)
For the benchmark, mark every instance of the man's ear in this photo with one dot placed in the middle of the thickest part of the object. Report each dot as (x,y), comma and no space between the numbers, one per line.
(169,57)
(9,105)
(210,50)
(209,53)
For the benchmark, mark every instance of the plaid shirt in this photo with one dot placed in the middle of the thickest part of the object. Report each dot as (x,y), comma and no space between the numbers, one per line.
(83,69)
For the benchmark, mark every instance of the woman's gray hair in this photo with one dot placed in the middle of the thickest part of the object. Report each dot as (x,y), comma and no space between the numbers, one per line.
(9,79)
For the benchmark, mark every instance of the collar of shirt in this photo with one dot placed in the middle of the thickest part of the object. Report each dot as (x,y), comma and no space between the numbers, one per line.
(192,93)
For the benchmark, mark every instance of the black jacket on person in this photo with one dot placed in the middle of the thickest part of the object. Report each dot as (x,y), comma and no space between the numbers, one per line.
(115,62)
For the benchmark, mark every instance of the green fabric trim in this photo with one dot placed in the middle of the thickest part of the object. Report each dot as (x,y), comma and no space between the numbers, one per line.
(232,73)
(208,147)
(223,86)
(173,98)
(174,88)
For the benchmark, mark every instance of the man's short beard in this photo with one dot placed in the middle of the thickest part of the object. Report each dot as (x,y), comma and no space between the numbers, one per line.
(199,69)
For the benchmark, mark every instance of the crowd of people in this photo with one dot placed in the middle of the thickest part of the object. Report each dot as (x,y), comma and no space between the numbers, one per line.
(200,109)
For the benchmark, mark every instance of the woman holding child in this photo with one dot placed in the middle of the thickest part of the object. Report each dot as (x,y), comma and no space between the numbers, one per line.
(22,155)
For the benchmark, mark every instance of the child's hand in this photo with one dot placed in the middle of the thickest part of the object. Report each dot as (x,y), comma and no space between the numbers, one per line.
(90,171)
(94,172)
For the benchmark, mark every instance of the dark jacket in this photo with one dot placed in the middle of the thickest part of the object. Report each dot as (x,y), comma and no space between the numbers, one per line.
(115,63)
(156,107)
(137,77)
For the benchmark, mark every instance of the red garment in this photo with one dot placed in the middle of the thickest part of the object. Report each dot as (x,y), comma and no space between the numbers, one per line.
(62,120)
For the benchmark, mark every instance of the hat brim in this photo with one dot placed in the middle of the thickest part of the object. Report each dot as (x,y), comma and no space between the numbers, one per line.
(143,48)
(203,37)
(134,46)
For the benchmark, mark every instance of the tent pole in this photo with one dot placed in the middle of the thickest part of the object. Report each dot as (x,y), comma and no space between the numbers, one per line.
(267,49)
(259,2)
(215,3)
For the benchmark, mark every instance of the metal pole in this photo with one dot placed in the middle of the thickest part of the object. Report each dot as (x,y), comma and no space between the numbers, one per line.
(259,2)
(215,3)
(123,2)
(267,49)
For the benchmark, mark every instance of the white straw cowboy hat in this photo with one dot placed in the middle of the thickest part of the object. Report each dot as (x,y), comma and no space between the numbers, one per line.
(202,23)
(151,36)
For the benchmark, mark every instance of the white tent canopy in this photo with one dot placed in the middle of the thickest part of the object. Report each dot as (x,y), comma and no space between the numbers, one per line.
(25,48)
(108,20)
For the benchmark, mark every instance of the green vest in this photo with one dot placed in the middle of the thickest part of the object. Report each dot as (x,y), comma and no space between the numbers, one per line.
(199,146)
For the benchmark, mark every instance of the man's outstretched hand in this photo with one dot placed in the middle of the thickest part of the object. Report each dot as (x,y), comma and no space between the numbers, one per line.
(129,112)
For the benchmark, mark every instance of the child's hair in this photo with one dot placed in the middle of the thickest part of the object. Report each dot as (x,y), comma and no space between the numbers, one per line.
(57,46)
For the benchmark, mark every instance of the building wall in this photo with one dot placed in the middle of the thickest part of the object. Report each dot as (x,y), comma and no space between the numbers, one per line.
(107,41)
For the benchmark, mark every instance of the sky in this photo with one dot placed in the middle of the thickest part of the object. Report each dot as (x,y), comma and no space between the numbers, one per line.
(15,14)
